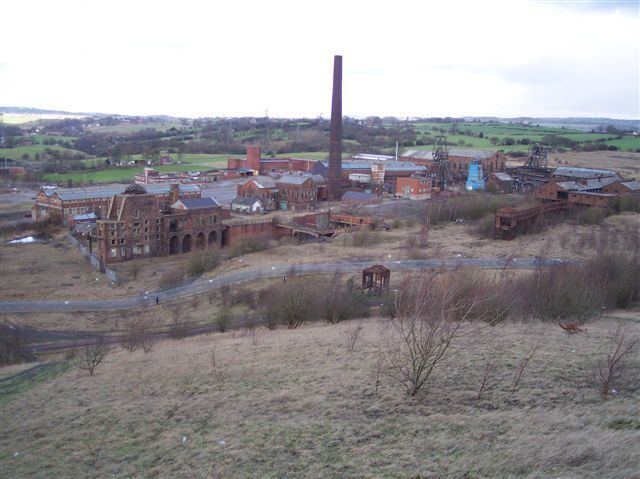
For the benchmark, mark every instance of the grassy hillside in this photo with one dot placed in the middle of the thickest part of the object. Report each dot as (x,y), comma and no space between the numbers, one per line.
(297,403)
(17,152)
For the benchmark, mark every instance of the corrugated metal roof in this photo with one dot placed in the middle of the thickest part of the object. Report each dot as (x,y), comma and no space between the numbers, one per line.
(108,192)
(293,179)
(632,185)
(463,152)
(577,172)
(589,185)
(503,176)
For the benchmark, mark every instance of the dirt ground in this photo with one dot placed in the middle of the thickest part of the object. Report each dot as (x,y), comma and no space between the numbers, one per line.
(56,270)
(564,240)
(626,163)
(26,270)
(293,403)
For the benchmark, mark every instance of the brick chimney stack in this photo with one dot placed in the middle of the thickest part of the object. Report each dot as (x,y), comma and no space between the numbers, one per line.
(334,180)
(253,158)
(174,193)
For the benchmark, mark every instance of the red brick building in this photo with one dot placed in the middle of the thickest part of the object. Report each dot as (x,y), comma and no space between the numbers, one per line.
(414,188)
(286,192)
(589,192)
(133,226)
(65,203)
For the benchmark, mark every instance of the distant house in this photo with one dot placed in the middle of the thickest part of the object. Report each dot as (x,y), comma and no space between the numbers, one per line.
(247,205)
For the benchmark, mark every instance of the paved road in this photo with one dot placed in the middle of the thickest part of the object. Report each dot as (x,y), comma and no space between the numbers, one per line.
(249,274)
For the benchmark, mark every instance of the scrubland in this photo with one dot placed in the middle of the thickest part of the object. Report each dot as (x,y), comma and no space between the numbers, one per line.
(301,403)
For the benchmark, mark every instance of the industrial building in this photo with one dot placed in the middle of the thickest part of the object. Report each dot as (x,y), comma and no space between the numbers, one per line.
(66,203)
(133,226)
(460,159)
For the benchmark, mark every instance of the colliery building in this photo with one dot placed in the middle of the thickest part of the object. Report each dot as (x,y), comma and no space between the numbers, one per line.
(460,159)
(133,226)
(66,203)
(285,192)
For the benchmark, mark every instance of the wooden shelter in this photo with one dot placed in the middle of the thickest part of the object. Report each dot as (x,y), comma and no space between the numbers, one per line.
(376,279)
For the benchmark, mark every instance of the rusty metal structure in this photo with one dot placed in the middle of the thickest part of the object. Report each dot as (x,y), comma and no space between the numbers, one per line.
(510,220)
(334,180)
(376,279)
(537,156)
(534,172)
(440,170)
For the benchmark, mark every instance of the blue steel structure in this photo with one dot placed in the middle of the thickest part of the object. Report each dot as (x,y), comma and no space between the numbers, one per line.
(475,179)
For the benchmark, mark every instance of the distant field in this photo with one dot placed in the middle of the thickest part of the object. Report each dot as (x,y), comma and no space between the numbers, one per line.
(191,163)
(17,152)
(518,132)
(131,128)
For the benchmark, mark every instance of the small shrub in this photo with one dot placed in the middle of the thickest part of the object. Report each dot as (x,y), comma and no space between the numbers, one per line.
(202,261)
(91,356)
(248,246)
(223,319)
(592,216)
(364,238)
(172,278)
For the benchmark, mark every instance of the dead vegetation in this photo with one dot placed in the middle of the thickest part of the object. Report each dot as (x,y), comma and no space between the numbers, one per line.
(299,403)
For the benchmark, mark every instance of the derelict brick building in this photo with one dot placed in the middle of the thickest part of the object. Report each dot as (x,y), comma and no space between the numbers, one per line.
(65,203)
(134,227)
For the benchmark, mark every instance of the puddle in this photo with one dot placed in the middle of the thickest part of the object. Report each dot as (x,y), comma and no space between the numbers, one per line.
(25,240)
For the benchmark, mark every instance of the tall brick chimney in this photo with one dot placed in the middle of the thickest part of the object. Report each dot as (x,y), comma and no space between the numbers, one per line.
(335,142)
(253,158)
(174,193)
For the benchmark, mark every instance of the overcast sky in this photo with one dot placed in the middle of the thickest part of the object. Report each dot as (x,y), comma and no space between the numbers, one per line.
(402,58)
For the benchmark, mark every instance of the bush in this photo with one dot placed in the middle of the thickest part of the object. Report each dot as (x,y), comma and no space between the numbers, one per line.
(248,246)
(592,216)
(289,304)
(364,238)
(172,278)
(223,319)
(202,261)
(342,301)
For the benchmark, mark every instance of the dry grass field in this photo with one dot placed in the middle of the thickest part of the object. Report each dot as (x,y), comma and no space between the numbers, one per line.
(625,162)
(29,266)
(57,270)
(297,403)
(564,240)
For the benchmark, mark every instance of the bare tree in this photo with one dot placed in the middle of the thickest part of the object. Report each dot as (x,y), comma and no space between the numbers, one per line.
(92,355)
(488,378)
(610,371)
(351,336)
(429,313)
(522,366)
(178,326)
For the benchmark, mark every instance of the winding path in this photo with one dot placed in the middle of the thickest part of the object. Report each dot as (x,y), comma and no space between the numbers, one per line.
(203,285)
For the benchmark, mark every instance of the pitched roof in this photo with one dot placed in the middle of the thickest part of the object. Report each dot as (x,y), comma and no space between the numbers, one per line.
(377,269)
(107,192)
(261,181)
(196,203)
(293,179)
(576,172)
(245,200)
(463,152)
(588,185)
(631,184)
(503,176)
